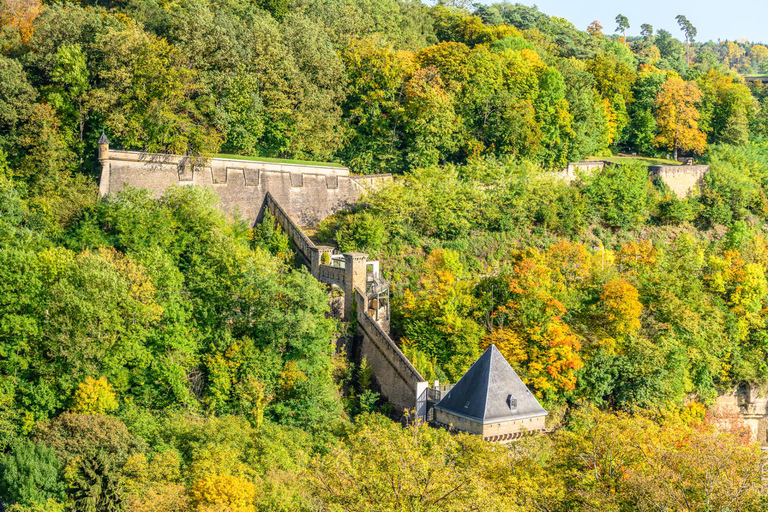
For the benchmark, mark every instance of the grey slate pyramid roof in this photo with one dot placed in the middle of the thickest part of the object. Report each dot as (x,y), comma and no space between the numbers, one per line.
(103,139)
(483,393)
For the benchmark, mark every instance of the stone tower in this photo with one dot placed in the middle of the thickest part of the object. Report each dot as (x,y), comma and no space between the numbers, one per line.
(104,161)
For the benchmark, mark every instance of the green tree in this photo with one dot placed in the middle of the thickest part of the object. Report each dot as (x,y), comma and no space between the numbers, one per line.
(69,92)
(30,474)
(428,470)
(690,33)
(16,97)
(622,24)
(149,99)
(376,79)
(619,195)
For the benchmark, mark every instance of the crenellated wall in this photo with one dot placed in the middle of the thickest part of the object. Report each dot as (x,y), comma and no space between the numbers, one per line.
(569,174)
(308,193)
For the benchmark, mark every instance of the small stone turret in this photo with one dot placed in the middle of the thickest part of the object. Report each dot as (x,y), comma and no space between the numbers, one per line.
(104,161)
(103,148)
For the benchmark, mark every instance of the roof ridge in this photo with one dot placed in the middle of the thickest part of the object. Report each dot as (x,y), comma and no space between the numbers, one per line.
(488,381)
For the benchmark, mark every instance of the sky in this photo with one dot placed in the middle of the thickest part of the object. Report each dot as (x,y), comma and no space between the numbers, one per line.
(725,20)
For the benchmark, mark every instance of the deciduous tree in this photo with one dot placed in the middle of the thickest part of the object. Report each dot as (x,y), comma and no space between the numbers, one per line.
(677,117)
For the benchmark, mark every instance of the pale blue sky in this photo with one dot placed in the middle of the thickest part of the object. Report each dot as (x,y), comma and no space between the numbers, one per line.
(724,19)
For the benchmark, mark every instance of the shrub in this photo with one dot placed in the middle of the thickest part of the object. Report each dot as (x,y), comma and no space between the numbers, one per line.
(619,196)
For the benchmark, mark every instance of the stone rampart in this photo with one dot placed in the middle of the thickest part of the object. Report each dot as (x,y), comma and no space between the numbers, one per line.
(400,382)
(681,179)
(301,241)
(308,193)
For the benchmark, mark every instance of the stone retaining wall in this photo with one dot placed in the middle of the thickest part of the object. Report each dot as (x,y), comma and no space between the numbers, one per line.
(682,179)
(308,193)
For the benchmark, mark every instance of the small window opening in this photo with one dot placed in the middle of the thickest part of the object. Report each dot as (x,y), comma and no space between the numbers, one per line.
(512,402)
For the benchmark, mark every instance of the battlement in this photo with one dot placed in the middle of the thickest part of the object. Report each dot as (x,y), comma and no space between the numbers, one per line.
(309,193)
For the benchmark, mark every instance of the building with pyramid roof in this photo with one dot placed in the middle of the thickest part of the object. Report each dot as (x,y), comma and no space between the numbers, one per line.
(490,400)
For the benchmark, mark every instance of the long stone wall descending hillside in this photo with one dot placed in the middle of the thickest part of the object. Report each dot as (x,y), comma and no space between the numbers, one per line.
(400,382)
(396,377)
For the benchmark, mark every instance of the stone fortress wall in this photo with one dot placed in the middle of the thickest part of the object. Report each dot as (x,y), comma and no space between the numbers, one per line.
(308,193)
(395,376)
(295,195)
(681,179)
(305,195)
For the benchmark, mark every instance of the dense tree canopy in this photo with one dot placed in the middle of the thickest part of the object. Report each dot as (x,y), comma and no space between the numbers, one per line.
(158,356)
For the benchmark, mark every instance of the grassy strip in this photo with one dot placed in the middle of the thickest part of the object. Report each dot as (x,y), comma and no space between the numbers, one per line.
(643,160)
(277,160)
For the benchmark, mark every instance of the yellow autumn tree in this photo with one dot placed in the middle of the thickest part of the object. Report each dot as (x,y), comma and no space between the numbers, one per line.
(622,307)
(759,54)
(223,493)
(509,343)
(677,117)
(94,396)
(743,285)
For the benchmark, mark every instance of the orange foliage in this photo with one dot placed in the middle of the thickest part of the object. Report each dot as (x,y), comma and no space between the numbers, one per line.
(551,347)
(556,359)
(20,14)
(634,255)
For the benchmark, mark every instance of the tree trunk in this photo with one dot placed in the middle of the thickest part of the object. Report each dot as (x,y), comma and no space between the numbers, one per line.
(675,153)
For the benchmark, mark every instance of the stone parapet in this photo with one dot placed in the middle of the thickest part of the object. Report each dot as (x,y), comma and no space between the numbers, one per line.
(331,275)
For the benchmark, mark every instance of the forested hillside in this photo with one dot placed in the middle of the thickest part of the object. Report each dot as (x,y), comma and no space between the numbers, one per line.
(157,356)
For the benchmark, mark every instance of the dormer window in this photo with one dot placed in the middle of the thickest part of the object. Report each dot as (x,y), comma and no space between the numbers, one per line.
(512,403)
